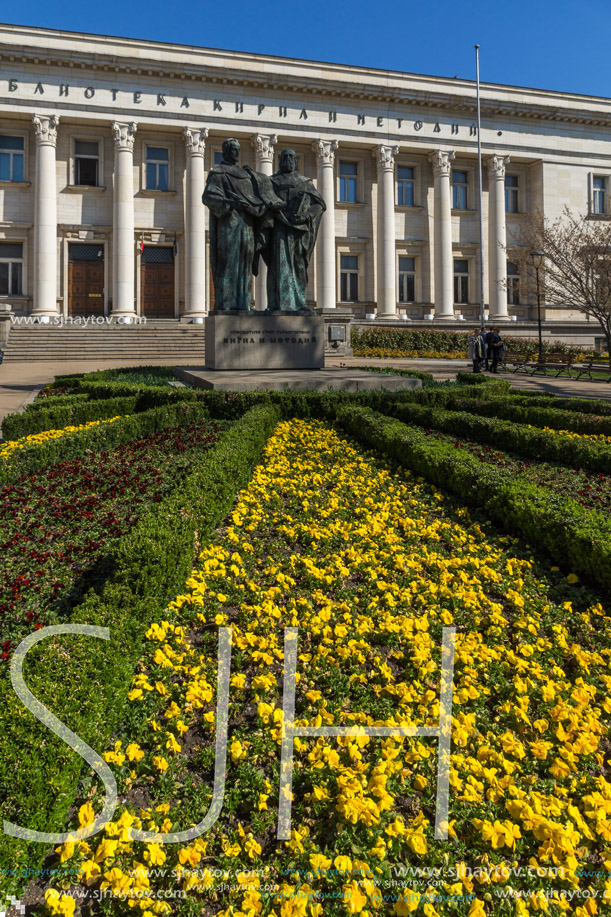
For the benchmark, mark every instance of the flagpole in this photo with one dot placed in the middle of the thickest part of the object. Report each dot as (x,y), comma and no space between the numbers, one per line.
(480,192)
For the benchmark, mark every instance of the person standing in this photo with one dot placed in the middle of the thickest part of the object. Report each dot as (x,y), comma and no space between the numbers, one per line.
(489,341)
(497,347)
(475,350)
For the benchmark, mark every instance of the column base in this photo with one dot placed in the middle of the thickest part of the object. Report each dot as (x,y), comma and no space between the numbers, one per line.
(193,318)
(125,318)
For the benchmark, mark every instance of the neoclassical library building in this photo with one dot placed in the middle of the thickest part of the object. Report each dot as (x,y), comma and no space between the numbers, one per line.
(105,144)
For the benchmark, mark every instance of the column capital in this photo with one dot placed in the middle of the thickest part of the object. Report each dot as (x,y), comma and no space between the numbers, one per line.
(496,166)
(123,135)
(441,160)
(384,156)
(46,129)
(195,139)
(263,145)
(325,151)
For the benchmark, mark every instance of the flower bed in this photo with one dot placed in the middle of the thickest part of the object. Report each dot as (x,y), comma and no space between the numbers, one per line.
(85,681)
(61,523)
(37,439)
(369,567)
(569,533)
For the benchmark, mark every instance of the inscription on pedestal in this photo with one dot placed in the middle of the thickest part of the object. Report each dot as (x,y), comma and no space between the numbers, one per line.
(264,341)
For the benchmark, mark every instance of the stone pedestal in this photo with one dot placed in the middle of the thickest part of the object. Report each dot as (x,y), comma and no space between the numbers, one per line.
(338,339)
(263,340)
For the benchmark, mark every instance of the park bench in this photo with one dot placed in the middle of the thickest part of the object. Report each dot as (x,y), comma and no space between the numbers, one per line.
(517,359)
(594,364)
(553,360)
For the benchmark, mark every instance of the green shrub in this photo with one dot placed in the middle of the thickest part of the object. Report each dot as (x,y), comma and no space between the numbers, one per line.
(528,413)
(85,681)
(529,442)
(576,538)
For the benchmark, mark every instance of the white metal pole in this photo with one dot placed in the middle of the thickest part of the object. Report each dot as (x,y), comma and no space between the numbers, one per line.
(480,191)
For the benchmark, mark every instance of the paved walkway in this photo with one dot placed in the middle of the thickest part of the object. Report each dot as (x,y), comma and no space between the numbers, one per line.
(20,382)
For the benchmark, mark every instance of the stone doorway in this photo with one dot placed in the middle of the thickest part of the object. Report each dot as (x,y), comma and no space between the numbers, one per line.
(85,279)
(157,282)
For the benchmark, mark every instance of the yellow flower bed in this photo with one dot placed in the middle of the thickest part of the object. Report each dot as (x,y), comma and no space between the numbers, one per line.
(392,353)
(599,437)
(369,565)
(36,439)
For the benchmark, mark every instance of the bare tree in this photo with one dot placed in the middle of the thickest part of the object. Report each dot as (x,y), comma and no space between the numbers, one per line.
(576,270)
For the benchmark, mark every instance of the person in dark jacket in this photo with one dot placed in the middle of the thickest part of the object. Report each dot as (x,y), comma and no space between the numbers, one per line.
(497,347)
(489,341)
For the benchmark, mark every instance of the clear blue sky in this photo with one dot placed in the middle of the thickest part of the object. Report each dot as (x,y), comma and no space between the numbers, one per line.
(548,44)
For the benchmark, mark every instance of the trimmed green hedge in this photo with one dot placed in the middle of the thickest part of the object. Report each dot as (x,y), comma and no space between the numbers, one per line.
(581,405)
(529,442)
(527,413)
(104,436)
(85,681)
(397,371)
(578,539)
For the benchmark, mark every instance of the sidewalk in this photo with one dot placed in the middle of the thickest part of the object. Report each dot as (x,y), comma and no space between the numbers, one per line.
(21,382)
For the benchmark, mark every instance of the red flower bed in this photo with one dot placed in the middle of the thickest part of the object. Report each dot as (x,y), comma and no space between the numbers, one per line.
(58,526)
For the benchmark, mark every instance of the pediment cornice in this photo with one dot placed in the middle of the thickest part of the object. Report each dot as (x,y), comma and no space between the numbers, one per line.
(309,80)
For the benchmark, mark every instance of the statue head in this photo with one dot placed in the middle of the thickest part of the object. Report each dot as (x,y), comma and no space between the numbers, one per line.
(231,150)
(288,161)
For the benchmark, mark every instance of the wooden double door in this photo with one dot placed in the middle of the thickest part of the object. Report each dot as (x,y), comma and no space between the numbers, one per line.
(86,280)
(157,282)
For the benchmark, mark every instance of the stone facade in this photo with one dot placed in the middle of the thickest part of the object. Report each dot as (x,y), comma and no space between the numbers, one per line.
(105,144)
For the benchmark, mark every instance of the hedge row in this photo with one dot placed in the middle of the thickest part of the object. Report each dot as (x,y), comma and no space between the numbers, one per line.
(577,539)
(528,442)
(85,681)
(96,439)
(527,413)
(57,415)
(408,340)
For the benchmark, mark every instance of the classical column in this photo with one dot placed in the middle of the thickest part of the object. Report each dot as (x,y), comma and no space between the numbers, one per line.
(444,269)
(387,289)
(326,293)
(123,239)
(264,162)
(497,236)
(45,217)
(195,226)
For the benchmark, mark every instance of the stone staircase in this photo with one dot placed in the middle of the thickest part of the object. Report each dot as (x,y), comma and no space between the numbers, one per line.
(161,340)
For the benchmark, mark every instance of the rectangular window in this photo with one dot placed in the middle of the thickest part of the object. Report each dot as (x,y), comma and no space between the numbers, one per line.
(86,163)
(513,284)
(348,173)
(218,157)
(459,190)
(157,168)
(11,158)
(407,279)
(405,186)
(11,268)
(512,194)
(599,194)
(349,278)
(461,281)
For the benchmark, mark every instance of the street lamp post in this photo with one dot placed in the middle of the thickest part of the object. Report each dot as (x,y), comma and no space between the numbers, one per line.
(537,259)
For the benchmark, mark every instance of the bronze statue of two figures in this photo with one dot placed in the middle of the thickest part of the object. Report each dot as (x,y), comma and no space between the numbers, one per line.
(254,216)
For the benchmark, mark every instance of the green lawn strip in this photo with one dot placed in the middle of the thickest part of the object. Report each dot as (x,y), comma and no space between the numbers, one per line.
(579,540)
(105,436)
(530,442)
(85,681)
(546,416)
